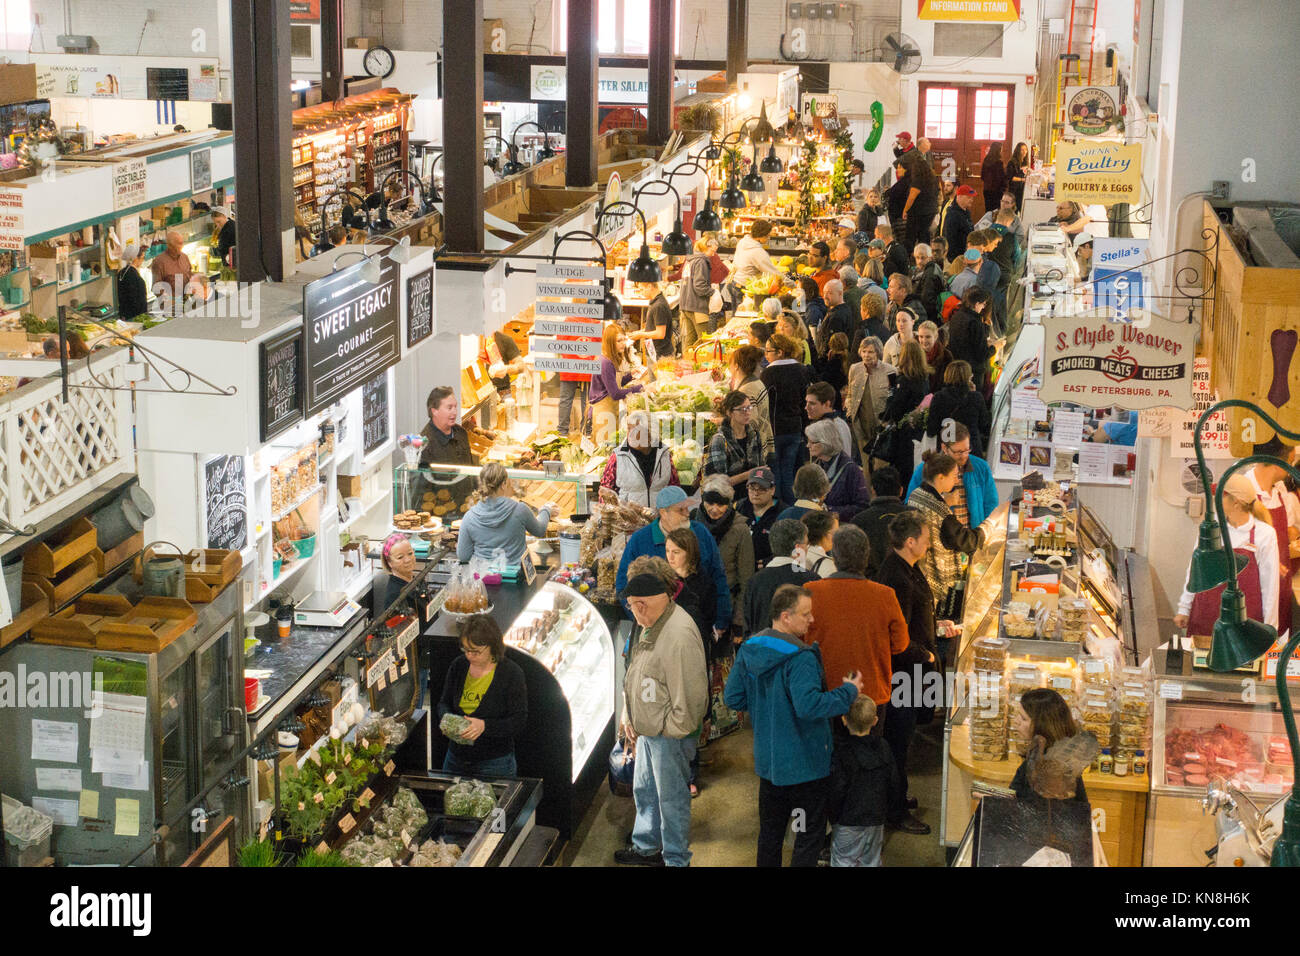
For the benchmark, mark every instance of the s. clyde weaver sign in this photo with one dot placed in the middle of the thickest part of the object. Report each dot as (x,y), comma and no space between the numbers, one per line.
(1097,362)
(351,332)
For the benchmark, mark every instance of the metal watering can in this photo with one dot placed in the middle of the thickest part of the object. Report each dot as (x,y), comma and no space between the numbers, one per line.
(163,575)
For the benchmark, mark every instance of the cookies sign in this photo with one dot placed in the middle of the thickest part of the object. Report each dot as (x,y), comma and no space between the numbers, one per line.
(1097,363)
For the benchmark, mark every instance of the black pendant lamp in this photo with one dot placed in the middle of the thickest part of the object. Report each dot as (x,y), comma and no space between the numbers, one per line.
(643,268)
(771,162)
(752,181)
(677,243)
(707,220)
(732,198)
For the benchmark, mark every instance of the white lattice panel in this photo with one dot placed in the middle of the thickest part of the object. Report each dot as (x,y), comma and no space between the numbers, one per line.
(54,453)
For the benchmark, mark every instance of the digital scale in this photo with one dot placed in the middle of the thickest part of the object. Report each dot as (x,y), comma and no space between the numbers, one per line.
(325,609)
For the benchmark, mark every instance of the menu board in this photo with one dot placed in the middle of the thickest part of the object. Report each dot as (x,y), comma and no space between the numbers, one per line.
(226,502)
(201,170)
(374,412)
(419,308)
(279,383)
(167,83)
(351,330)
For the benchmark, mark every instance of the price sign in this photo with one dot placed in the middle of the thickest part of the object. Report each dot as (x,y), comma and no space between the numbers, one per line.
(406,637)
(347,823)
(376,670)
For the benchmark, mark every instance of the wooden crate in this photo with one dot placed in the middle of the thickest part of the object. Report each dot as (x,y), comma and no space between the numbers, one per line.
(78,625)
(1253,314)
(75,578)
(35,607)
(47,558)
(105,561)
(109,622)
(215,567)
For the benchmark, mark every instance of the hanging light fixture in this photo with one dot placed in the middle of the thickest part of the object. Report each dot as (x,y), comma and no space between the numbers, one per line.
(643,268)
(675,242)
(771,162)
(707,220)
(752,181)
(732,197)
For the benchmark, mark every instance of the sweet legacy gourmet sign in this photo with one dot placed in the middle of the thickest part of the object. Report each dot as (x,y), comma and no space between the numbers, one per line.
(1098,172)
(1098,363)
(351,332)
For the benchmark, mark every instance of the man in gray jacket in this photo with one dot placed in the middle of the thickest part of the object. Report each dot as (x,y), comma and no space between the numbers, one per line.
(665,694)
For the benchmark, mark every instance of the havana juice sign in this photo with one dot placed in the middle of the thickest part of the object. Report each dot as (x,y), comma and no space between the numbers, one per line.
(1096,362)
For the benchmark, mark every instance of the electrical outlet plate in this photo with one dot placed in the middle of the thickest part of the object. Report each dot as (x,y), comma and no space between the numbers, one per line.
(795,11)
(830,11)
(1219,189)
(812,11)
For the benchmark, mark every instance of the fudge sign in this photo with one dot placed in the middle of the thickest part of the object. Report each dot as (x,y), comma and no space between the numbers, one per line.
(1098,362)
(351,332)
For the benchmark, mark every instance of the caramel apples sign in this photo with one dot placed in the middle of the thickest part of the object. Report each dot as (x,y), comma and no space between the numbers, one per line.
(1096,362)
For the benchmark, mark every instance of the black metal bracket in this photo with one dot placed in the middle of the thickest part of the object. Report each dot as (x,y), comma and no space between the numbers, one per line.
(148,356)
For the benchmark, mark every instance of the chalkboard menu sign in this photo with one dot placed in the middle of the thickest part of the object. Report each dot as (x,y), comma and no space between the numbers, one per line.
(419,308)
(280,383)
(226,501)
(351,332)
(167,83)
(374,412)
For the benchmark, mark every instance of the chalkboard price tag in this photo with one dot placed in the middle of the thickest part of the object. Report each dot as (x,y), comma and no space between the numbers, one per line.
(226,502)
(280,383)
(419,308)
(374,412)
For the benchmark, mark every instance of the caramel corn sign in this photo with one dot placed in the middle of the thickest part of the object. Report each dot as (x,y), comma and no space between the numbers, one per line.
(1098,172)
(1099,363)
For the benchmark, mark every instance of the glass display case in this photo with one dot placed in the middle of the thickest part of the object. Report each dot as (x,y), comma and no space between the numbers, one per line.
(564,633)
(1211,730)
(1045,606)
(433,498)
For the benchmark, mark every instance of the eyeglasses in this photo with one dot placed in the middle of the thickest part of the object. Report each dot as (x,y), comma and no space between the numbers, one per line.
(959,451)
(745,408)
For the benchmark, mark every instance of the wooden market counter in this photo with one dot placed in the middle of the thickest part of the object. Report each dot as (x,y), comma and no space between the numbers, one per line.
(1121,800)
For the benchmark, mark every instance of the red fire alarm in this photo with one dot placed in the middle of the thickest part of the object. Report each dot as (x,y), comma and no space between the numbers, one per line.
(1029,80)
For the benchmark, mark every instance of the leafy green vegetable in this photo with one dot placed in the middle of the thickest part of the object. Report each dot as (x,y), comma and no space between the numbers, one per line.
(314,858)
(259,853)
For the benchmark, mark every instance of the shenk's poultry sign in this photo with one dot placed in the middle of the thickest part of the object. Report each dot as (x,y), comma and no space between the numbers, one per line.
(1095,362)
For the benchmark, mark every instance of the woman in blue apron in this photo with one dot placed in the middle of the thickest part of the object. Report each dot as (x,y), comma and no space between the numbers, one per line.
(1256,542)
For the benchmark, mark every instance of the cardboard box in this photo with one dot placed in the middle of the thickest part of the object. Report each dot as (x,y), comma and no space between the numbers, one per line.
(362,43)
(17,83)
(349,486)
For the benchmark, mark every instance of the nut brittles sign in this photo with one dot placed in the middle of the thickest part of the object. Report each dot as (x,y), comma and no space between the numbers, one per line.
(1098,363)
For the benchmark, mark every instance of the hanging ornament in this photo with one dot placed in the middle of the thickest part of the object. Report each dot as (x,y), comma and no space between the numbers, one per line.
(877,127)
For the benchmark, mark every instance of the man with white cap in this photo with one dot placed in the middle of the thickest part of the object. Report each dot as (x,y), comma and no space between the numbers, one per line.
(1083,254)
(1253,539)
(225,224)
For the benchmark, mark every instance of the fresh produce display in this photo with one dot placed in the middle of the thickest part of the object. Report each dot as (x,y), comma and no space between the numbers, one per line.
(312,794)
(390,832)
(470,798)
(764,284)
(454,727)
(436,853)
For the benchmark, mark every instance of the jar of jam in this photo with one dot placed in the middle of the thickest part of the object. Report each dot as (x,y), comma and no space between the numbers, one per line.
(1121,764)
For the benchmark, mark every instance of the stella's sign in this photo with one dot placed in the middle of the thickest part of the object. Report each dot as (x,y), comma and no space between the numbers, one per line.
(1096,362)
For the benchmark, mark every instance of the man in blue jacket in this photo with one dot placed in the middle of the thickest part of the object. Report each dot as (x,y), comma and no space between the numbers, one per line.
(674,513)
(977,487)
(779,680)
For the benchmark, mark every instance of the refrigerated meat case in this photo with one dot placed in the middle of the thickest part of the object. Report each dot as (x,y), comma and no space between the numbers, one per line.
(1213,731)
(566,651)
(1116,583)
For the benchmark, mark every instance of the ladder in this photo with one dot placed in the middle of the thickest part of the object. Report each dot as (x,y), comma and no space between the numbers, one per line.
(1070,64)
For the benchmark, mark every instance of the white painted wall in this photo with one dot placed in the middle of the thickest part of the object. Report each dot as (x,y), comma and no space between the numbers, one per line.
(106,117)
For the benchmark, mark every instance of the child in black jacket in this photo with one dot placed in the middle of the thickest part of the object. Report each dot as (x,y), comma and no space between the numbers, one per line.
(863,780)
